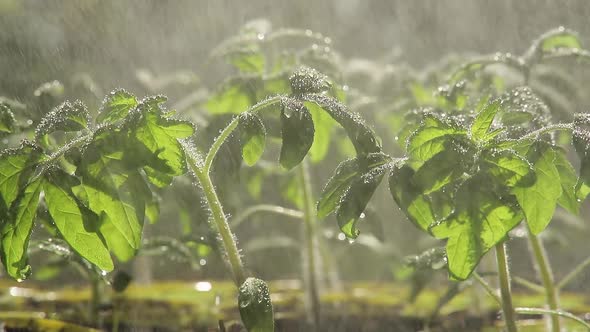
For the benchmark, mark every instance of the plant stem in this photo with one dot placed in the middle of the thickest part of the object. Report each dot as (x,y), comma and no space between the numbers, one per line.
(310,223)
(487,287)
(557,313)
(544,270)
(570,276)
(504,278)
(239,219)
(218,216)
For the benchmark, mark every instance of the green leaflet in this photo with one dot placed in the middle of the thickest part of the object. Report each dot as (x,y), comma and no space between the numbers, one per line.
(66,117)
(440,170)
(108,183)
(7,120)
(355,200)
(323,124)
(78,226)
(255,306)
(483,121)
(409,197)
(508,168)
(116,106)
(538,201)
(429,140)
(569,199)
(160,135)
(252,137)
(481,220)
(297,131)
(360,134)
(16,166)
(235,96)
(16,230)
(344,175)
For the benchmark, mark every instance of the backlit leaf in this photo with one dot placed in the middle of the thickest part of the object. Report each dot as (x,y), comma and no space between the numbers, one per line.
(252,137)
(66,117)
(76,225)
(116,106)
(16,231)
(482,122)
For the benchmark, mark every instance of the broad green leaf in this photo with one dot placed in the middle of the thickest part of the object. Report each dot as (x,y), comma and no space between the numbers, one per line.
(481,220)
(569,199)
(308,80)
(66,117)
(297,131)
(76,225)
(16,231)
(342,179)
(440,170)
(323,124)
(7,120)
(355,200)
(538,201)
(15,167)
(430,139)
(252,137)
(160,135)
(116,106)
(119,200)
(409,197)
(360,134)
(483,121)
(508,168)
(255,306)
(235,96)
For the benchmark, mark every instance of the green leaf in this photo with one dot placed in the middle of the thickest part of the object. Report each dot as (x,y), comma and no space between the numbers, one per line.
(308,80)
(297,131)
(343,178)
(66,117)
(7,120)
(481,220)
(255,306)
(483,121)
(16,231)
(360,134)
(508,168)
(323,124)
(410,198)
(430,139)
(15,167)
(235,96)
(538,201)
(116,106)
(160,135)
(252,137)
(355,200)
(440,170)
(569,199)
(78,226)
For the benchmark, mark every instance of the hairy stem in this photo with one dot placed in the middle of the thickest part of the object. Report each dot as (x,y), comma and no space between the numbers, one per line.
(504,278)
(487,287)
(557,313)
(310,223)
(239,219)
(544,271)
(220,220)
